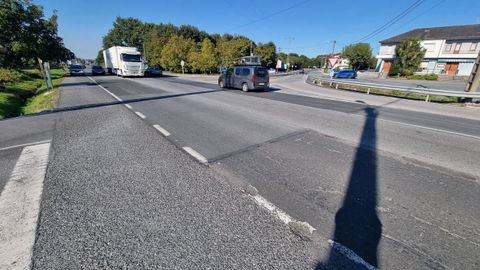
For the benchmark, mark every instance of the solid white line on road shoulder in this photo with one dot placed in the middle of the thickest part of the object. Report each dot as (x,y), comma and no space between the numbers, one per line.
(106,90)
(128,106)
(23,145)
(19,207)
(280,214)
(195,154)
(433,129)
(350,254)
(162,130)
(141,115)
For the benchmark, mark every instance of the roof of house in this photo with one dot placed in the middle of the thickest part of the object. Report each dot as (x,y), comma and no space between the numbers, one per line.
(457,32)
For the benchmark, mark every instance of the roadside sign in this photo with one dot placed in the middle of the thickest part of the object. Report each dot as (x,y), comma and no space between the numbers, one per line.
(332,61)
(182,63)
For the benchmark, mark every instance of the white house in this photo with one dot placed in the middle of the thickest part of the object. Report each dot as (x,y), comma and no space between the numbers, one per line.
(450,50)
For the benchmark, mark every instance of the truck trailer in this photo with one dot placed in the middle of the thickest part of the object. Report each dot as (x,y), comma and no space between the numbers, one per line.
(124,61)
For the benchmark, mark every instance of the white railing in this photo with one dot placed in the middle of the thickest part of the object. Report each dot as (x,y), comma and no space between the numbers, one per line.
(314,78)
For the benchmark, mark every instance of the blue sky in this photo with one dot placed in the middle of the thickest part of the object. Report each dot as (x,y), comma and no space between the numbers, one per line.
(305,27)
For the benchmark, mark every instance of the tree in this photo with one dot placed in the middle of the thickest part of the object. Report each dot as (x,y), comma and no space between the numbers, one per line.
(99,60)
(156,39)
(408,56)
(230,49)
(176,50)
(204,60)
(192,32)
(127,32)
(268,53)
(358,54)
(26,35)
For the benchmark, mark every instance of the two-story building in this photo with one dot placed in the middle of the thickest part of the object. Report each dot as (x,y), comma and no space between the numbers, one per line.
(450,50)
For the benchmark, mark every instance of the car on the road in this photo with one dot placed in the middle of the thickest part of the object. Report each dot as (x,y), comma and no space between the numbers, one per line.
(76,70)
(153,71)
(98,70)
(345,73)
(245,77)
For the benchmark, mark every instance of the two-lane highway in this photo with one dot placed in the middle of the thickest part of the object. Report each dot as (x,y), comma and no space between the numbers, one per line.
(173,173)
(311,157)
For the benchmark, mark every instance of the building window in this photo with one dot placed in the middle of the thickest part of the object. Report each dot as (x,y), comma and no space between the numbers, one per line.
(448,47)
(473,46)
(457,48)
(429,47)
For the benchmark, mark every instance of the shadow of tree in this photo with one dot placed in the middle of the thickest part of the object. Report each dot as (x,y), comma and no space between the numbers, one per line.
(357,226)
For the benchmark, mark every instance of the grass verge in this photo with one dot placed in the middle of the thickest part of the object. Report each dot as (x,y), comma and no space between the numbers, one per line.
(29,94)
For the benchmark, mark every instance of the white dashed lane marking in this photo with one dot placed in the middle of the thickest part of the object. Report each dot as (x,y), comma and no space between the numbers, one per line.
(128,106)
(20,205)
(162,130)
(141,115)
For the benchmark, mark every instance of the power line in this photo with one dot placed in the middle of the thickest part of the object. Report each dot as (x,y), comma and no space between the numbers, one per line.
(416,17)
(392,21)
(271,15)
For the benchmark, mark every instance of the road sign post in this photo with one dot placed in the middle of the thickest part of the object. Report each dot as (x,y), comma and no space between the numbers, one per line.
(182,63)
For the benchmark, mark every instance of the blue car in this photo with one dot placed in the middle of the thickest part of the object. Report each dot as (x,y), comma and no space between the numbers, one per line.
(346,73)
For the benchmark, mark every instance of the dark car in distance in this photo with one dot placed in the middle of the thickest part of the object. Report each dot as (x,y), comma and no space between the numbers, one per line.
(245,77)
(98,70)
(76,70)
(153,71)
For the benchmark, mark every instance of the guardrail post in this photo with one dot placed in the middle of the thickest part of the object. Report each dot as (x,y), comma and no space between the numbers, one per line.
(336,86)
(331,84)
(368,91)
(427,99)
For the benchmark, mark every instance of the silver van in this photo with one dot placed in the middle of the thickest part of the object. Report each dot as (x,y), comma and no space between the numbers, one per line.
(245,77)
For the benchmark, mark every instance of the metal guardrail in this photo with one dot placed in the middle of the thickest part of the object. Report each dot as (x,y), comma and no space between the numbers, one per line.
(421,90)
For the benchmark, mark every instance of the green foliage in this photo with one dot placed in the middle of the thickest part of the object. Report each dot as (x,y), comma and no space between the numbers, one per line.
(99,59)
(204,60)
(409,55)
(359,55)
(10,105)
(5,76)
(26,92)
(156,39)
(177,49)
(231,48)
(126,32)
(372,64)
(428,77)
(268,53)
(26,35)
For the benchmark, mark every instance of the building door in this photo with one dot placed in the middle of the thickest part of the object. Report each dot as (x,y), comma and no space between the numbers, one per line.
(387,65)
(451,68)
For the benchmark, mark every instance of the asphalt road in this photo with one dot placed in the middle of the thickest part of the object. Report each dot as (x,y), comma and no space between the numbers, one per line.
(397,189)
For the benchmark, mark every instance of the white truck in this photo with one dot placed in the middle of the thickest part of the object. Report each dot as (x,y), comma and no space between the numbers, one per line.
(124,61)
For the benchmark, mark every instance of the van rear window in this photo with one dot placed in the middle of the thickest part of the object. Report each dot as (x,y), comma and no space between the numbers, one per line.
(261,72)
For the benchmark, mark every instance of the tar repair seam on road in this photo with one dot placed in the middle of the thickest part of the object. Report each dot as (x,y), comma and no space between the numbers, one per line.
(300,228)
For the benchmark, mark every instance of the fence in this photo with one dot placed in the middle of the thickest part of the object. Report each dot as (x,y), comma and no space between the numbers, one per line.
(420,90)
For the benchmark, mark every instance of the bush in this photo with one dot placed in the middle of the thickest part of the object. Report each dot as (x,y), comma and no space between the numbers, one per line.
(6,76)
(428,77)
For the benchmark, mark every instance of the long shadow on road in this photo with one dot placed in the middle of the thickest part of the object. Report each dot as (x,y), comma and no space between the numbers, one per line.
(357,226)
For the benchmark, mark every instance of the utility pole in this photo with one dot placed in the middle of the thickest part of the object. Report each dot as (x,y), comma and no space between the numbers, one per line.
(333,49)
(251,47)
(290,39)
(326,57)
(474,79)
